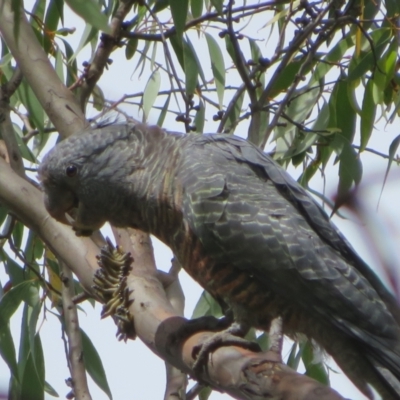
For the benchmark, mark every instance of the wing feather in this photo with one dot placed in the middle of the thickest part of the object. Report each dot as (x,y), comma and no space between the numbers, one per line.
(253,214)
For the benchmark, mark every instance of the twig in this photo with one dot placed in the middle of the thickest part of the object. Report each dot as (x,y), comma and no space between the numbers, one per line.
(27,263)
(240,61)
(172,66)
(35,132)
(101,57)
(75,352)
(288,56)
(212,16)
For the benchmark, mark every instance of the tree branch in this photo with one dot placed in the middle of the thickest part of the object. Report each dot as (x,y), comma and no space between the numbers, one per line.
(294,46)
(249,375)
(101,57)
(58,102)
(26,202)
(211,16)
(6,127)
(75,351)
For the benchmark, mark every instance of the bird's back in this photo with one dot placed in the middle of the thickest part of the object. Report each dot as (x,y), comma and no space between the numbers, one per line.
(268,249)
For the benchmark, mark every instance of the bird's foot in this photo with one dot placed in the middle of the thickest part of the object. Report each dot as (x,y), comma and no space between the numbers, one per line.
(232,336)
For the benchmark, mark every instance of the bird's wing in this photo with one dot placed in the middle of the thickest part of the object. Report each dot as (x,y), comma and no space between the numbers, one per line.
(248,211)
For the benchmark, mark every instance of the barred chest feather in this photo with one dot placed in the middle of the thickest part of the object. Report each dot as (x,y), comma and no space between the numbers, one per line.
(251,302)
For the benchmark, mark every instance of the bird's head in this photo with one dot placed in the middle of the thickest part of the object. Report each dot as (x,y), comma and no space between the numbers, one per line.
(82,175)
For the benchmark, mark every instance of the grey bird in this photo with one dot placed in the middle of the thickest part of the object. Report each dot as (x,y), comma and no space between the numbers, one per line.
(242,228)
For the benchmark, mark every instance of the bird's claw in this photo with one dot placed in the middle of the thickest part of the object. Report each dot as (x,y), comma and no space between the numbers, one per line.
(228,337)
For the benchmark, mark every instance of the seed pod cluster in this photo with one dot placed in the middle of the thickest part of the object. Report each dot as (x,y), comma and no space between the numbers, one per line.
(110,285)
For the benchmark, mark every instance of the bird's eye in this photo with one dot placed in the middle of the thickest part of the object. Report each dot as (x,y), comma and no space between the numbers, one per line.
(71,171)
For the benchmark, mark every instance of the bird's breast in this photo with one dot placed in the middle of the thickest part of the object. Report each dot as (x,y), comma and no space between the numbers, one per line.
(252,302)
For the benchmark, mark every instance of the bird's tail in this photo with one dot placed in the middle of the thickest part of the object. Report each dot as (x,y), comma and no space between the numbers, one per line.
(386,362)
(369,362)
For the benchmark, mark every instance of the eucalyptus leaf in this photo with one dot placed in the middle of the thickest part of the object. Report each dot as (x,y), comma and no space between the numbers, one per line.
(150,93)
(93,364)
(90,11)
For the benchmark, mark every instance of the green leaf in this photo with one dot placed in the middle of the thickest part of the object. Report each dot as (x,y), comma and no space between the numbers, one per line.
(22,146)
(163,112)
(6,60)
(7,349)
(256,55)
(389,66)
(257,133)
(90,11)
(178,49)
(93,364)
(179,11)
(59,65)
(8,305)
(198,62)
(131,47)
(393,8)
(16,272)
(72,67)
(88,34)
(17,7)
(33,316)
(3,215)
(310,138)
(217,66)
(196,7)
(294,357)
(234,114)
(160,5)
(219,5)
(255,50)
(98,98)
(206,306)
(350,172)
(315,370)
(346,116)
(32,386)
(39,358)
(53,14)
(368,112)
(143,57)
(150,93)
(286,77)
(200,117)
(392,152)
(230,49)
(331,59)
(263,341)
(359,65)
(287,135)
(32,104)
(50,390)
(17,234)
(25,291)
(205,393)
(191,69)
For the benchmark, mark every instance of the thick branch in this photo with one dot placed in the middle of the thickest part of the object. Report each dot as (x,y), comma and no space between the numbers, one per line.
(26,202)
(57,101)
(6,127)
(239,372)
